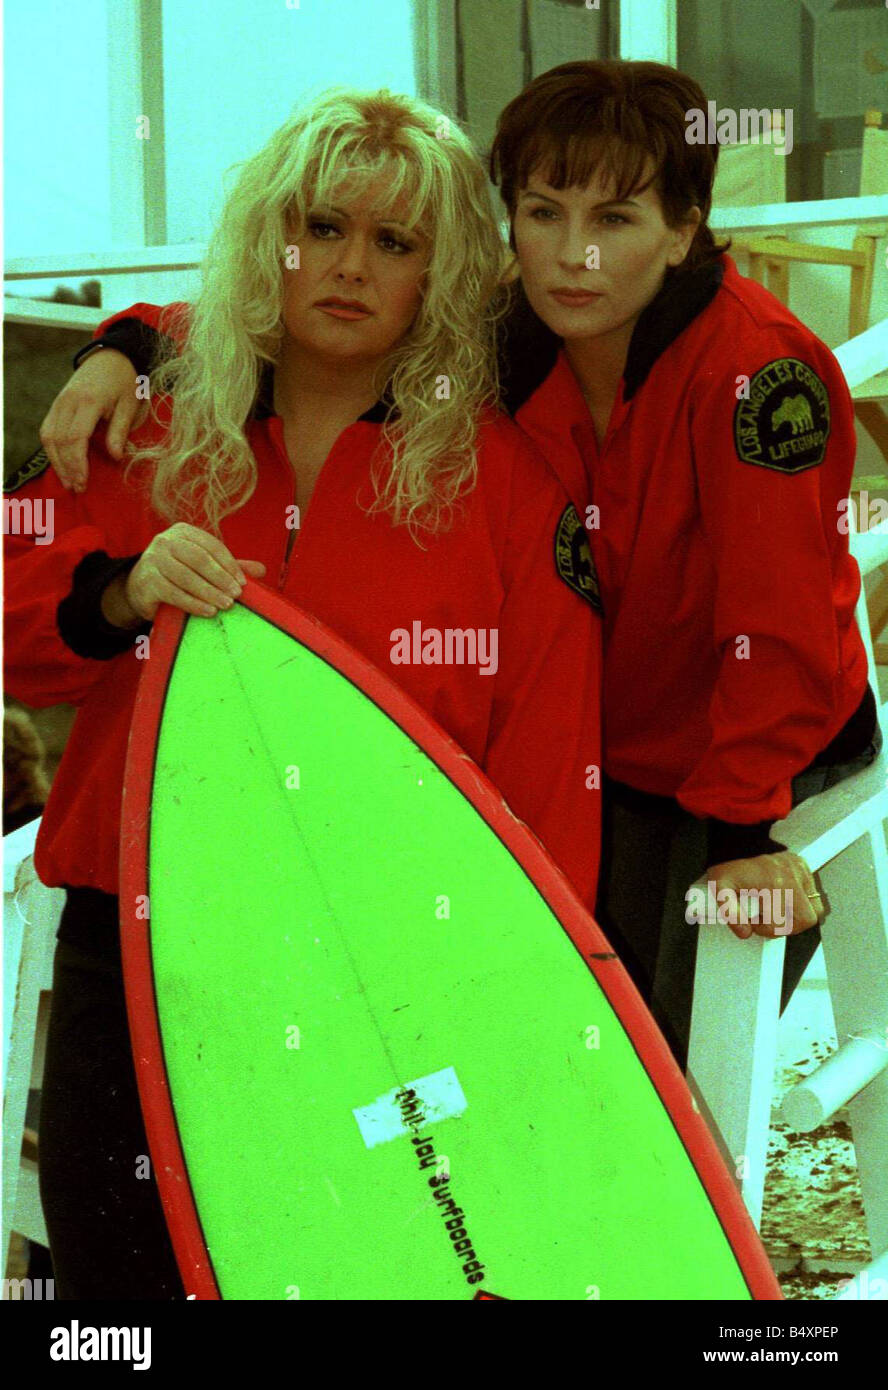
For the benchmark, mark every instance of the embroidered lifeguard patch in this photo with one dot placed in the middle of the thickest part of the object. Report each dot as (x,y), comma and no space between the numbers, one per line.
(785,423)
(573,558)
(31,468)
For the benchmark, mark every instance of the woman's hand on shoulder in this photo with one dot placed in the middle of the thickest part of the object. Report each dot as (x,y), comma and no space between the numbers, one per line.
(102,388)
(183,566)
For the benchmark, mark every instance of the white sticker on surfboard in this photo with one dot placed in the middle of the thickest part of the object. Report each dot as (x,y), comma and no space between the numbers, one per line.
(425,1101)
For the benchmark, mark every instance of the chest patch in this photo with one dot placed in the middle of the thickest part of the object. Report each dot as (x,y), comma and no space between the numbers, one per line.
(573,558)
(31,468)
(785,423)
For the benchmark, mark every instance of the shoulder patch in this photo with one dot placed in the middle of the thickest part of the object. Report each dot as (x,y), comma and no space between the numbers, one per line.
(573,558)
(31,468)
(785,423)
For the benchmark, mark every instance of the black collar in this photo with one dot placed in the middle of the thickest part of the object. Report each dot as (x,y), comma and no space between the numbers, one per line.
(264,407)
(528,349)
(679,302)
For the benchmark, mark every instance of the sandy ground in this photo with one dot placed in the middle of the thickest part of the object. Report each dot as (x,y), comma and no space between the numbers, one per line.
(812,1220)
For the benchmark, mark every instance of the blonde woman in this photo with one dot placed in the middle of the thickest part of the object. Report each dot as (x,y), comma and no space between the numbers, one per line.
(567,344)
(332,433)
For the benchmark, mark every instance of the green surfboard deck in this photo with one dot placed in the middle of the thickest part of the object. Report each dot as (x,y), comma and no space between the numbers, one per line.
(331,920)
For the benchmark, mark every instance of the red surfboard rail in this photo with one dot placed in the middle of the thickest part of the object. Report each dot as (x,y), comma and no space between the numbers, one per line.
(187,1236)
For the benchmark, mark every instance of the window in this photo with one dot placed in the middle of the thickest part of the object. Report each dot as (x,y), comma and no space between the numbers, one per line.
(213,77)
(57,176)
(824,61)
(233,71)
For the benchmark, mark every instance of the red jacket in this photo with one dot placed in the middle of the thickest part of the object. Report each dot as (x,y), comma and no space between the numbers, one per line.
(534,726)
(717,522)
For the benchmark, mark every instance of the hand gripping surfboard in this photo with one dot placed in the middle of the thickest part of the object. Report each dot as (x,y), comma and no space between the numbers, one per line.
(382,1049)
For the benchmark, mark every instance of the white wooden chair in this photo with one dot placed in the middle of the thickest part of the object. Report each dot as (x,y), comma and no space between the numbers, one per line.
(751,174)
(737,985)
(31,914)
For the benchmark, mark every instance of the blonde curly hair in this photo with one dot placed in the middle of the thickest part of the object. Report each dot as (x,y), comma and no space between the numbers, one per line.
(204,467)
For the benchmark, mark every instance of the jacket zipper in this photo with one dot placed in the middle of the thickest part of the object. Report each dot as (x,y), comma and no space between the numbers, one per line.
(288,551)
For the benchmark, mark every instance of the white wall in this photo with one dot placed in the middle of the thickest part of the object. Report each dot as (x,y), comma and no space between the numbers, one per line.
(233,72)
(56,170)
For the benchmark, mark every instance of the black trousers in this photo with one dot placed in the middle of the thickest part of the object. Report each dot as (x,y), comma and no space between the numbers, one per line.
(107,1234)
(652,851)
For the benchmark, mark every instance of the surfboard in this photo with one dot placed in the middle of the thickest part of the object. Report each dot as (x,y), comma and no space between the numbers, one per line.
(383,1050)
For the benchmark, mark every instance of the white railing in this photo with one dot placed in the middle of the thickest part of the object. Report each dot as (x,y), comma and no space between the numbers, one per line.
(46,313)
(864,356)
(137,260)
(821,212)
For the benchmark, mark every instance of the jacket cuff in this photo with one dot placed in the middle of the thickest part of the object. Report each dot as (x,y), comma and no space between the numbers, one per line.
(135,339)
(729,841)
(82,625)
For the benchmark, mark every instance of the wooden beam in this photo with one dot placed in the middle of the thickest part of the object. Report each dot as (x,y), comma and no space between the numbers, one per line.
(874,419)
(777,249)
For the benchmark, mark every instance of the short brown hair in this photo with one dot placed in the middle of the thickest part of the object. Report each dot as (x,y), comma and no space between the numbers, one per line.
(612,117)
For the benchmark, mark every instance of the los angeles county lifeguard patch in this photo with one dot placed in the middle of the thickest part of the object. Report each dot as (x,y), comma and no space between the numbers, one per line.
(573,558)
(784,424)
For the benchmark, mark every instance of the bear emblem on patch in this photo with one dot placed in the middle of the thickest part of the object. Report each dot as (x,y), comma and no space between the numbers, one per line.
(784,425)
(573,558)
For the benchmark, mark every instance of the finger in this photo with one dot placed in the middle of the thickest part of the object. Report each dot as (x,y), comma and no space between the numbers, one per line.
(121,424)
(728,913)
(800,871)
(167,592)
(741,930)
(190,581)
(217,550)
(801,913)
(751,908)
(807,909)
(207,565)
(73,445)
(811,909)
(816,900)
(51,432)
(772,931)
(254,568)
(777,918)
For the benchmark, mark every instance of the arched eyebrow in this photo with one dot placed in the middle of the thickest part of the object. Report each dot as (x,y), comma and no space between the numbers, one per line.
(381,222)
(608,202)
(398,226)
